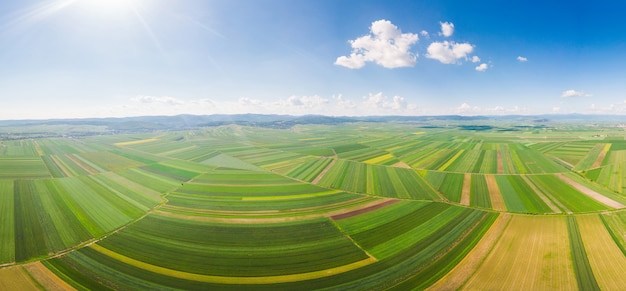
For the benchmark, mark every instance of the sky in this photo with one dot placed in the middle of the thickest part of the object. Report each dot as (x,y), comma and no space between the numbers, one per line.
(117,58)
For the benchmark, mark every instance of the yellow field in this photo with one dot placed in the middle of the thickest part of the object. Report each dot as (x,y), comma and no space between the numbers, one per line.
(607,260)
(533,253)
(45,277)
(451,160)
(379,159)
(16,278)
(497,202)
(134,142)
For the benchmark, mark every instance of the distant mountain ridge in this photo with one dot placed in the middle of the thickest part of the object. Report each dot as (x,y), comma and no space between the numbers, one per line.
(186,121)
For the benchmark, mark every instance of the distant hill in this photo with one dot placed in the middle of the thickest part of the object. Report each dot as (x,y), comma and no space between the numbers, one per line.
(91,126)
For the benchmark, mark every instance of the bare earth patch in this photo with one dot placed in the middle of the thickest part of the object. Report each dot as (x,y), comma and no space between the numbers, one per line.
(401,165)
(593,194)
(465,194)
(497,202)
(46,278)
(601,156)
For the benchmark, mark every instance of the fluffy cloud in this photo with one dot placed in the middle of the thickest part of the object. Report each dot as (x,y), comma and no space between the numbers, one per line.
(449,52)
(424,33)
(156,100)
(447,29)
(475,59)
(466,108)
(522,59)
(482,67)
(574,93)
(386,45)
(380,102)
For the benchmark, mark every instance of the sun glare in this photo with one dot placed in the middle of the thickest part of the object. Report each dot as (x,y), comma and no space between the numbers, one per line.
(111,5)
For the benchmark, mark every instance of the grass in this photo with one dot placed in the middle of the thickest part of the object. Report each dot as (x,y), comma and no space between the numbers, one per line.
(605,257)
(7,222)
(584,275)
(532,253)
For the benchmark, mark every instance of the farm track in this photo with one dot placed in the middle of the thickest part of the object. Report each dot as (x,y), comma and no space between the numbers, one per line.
(323,173)
(593,194)
(543,197)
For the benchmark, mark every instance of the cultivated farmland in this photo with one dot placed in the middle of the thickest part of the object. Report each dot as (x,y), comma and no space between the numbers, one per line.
(359,206)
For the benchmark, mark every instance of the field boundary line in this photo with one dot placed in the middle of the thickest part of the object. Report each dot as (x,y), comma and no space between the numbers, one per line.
(590,193)
(545,198)
(232,280)
(598,162)
(323,172)
(456,278)
(497,201)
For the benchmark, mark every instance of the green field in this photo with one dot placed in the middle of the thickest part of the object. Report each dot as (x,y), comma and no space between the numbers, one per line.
(357,206)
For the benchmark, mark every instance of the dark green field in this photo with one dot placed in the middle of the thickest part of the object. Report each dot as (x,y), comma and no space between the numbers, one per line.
(357,206)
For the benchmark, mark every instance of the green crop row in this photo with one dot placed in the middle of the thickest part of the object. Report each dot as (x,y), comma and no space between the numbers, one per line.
(310,170)
(377,180)
(584,274)
(566,194)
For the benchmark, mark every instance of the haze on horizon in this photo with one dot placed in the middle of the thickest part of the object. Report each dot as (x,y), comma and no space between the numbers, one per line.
(118,58)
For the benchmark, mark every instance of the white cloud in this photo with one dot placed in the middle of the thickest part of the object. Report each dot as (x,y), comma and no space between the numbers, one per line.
(482,67)
(379,102)
(447,29)
(337,105)
(522,59)
(309,102)
(386,45)
(424,33)
(466,108)
(574,93)
(449,52)
(475,59)
(156,100)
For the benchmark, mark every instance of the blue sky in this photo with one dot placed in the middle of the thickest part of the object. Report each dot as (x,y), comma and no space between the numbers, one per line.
(101,58)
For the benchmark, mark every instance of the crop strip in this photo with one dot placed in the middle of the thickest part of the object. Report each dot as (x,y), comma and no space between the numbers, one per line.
(543,197)
(467,187)
(134,142)
(364,210)
(468,266)
(584,275)
(46,278)
(593,194)
(500,166)
(232,280)
(323,173)
(451,160)
(497,202)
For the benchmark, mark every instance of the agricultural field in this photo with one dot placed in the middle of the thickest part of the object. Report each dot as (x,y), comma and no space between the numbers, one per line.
(355,206)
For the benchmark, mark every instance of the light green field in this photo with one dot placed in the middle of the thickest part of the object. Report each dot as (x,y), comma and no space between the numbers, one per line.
(358,206)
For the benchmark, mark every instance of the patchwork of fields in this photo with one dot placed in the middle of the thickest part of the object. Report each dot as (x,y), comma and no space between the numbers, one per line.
(357,206)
